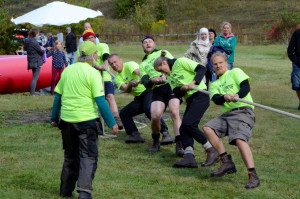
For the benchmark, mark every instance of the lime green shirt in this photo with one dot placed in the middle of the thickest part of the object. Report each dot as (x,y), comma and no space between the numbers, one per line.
(80,83)
(183,73)
(147,66)
(126,75)
(102,49)
(229,83)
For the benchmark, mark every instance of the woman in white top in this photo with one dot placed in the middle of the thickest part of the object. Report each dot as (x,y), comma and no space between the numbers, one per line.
(199,48)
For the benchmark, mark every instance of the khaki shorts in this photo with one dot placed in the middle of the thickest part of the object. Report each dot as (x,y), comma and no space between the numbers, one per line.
(237,124)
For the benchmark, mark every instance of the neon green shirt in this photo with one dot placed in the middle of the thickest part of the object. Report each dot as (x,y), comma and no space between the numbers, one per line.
(102,49)
(229,83)
(147,65)
(79,85)
(126,75)
(183,72)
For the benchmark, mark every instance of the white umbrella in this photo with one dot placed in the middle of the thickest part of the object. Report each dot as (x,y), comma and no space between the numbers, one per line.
(57,13)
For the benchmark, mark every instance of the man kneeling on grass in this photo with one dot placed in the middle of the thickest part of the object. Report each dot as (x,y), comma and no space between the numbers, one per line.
(236,121)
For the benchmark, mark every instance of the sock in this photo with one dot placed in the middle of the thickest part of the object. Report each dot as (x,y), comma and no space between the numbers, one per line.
(252,170)
(223,154)
(155,136)
(189,149)
(177,138)
(207,145)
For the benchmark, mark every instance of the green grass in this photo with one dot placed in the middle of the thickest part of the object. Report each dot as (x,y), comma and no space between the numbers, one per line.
(31,154)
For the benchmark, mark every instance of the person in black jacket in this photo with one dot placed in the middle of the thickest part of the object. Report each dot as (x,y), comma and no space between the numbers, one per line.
(71,46)
(293,52)
(34,57)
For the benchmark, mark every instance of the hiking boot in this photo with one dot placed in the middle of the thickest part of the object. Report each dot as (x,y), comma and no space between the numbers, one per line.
(188,161)
(119,122)
(212,156)
(135,137)
(227,166)
(178,149)
(84,195)
(155,145)
(166,138)
(253,181)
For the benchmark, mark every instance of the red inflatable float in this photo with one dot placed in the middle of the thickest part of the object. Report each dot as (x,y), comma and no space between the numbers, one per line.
(15,78)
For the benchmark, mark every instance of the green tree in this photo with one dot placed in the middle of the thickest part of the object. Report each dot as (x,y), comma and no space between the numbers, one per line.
(8,43)
(143,18)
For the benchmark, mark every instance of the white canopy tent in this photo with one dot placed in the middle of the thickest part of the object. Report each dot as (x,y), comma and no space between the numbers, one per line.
(57,13)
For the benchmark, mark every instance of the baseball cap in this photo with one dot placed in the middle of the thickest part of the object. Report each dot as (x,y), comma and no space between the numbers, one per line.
(87,48)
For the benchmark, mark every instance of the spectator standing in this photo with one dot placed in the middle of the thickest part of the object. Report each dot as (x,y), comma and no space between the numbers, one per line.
(34,57)
(71,46)
(58,63)
(227,41)
(87,26)
(212,36)
(50,40)
(42,39)
(293,52)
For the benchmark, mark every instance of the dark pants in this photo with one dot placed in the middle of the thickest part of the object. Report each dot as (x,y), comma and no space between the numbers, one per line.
(80,144)
(35,77)
(197,104)
(140,104)
(56,73)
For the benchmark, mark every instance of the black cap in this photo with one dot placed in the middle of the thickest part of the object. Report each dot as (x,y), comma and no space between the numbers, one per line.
(147,37)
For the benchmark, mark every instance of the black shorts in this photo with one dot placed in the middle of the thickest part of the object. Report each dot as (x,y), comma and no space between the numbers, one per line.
(163,93)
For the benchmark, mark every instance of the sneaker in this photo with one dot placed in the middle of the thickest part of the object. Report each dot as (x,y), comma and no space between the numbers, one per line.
(188,161)
(135,137)
(253,181)
(166,138)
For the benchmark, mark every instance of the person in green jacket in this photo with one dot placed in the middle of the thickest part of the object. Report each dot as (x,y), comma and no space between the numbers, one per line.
(227,41)
(184,75)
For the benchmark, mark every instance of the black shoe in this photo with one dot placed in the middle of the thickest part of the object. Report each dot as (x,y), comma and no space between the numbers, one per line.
(178,149)
(155,145)
(253,181)
(188,161)
(227,166)
(166,138)
(135,137)
(299,107)
(212,156)
(84,195)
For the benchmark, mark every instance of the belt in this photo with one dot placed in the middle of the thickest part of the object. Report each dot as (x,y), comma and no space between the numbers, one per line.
(241,108)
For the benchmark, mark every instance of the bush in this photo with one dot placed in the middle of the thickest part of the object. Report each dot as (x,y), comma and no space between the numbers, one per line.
(143,18)
(125,8)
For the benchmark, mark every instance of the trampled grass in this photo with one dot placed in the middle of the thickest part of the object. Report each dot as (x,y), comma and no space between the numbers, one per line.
(31,154)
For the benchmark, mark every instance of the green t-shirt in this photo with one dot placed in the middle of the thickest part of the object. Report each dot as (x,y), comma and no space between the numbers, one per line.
(80,83)
(183,72)
(102,49)
(126,75)
(229,83)
(147,65)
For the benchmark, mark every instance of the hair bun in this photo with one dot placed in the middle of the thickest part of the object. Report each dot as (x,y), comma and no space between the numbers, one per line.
(163,53)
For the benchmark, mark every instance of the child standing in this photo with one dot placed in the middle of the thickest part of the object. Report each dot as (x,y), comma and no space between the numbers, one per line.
(58,63)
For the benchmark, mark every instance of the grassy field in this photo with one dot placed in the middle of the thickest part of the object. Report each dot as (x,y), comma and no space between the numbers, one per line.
(31,154)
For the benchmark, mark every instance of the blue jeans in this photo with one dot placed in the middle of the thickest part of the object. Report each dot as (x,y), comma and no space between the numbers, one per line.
(295,77)
(35,77)
(71,58)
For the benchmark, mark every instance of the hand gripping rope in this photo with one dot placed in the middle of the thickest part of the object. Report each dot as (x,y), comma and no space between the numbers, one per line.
(257,105)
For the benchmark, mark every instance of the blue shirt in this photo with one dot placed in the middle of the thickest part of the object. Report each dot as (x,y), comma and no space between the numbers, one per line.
(58,58)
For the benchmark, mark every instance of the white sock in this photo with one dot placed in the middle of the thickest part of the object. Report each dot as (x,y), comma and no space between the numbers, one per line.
(189,149)
(207,145)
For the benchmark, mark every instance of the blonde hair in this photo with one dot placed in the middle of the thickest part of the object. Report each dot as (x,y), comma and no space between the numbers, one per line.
(58,42)
(225,23)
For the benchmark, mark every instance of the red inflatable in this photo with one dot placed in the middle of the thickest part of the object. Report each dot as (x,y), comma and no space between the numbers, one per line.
(15,78)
